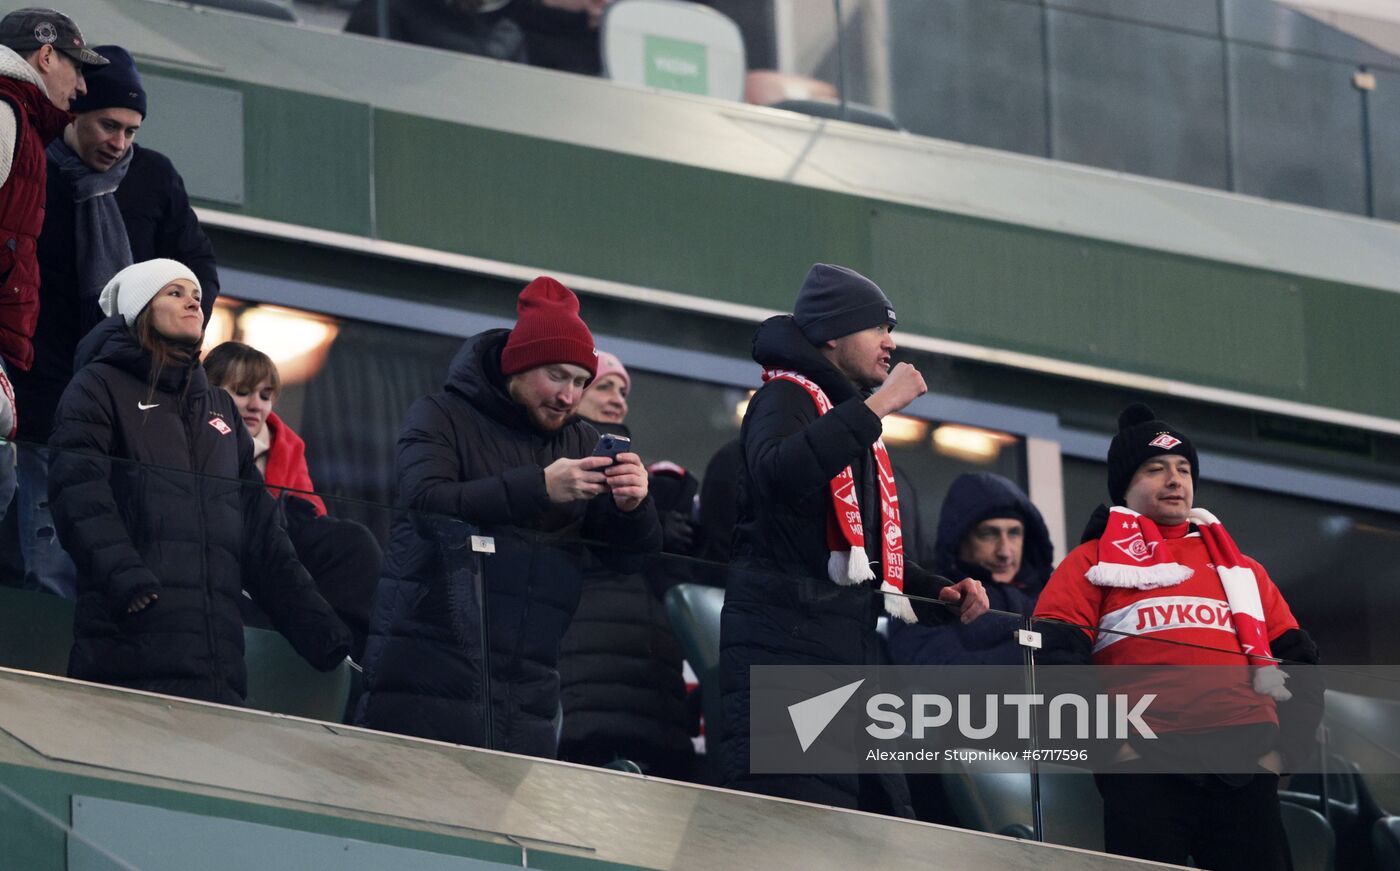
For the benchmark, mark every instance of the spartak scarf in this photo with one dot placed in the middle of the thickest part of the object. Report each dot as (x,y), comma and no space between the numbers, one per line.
(848,563)
(1131,555)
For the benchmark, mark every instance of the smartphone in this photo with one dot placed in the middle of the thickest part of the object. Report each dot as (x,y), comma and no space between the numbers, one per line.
(610,445)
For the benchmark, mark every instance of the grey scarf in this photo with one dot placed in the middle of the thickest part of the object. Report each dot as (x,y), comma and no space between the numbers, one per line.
(103,248)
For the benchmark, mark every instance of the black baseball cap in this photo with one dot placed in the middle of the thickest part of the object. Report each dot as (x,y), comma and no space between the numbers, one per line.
(28,29)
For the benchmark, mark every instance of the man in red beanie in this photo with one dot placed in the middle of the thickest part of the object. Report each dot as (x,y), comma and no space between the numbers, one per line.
(500,489)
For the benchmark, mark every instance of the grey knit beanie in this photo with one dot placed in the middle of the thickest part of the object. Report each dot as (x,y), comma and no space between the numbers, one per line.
(835,301)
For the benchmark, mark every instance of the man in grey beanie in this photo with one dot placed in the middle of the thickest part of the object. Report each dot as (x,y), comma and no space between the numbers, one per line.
(808,581)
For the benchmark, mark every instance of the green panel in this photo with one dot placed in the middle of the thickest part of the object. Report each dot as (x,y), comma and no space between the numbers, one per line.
(1092,302)
(1352,333)
(556,206)
(34,844)
(306,158)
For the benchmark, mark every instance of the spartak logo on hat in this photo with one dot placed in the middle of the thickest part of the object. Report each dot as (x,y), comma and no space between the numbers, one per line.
(1164,441)
(46,33)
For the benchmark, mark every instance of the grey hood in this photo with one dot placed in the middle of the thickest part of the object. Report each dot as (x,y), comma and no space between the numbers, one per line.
(13,66)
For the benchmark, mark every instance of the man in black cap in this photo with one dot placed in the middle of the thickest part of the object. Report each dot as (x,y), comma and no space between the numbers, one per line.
(111,203)
(1158,581)
(818,550)
(42,62)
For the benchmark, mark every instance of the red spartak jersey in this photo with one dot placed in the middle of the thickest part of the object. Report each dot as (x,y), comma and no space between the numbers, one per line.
(1194,612)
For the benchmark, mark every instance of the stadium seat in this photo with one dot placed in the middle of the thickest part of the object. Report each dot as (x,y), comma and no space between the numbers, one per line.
(282,682)
(675,46)
(1350,807)
(1385,844)
(36,631)
(694,612)
(1366,730)
(1072,810)
(1310,838)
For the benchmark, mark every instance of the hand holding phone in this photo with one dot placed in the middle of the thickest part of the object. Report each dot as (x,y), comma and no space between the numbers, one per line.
(610,446)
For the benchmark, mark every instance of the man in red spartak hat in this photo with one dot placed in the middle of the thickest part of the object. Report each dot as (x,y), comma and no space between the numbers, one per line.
(499,488)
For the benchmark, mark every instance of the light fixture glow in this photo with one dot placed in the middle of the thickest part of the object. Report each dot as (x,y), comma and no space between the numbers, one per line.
(741,408)
(969,442)
(900,430)
(220,326)
(296,341)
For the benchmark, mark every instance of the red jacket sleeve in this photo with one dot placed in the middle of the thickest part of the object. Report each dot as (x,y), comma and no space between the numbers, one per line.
(286,464)
(1068,596)
(1278,617)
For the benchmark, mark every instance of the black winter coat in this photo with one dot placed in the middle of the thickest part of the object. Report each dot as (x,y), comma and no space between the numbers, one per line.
(159,223)
(470,455)
(780,606)
(622,684)
(973,498)
(621,677)
(147,499)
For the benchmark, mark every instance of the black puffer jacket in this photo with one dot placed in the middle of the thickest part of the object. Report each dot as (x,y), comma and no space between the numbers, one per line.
(147,499)
(780,606)
(621,679)
(470,455)
(973,498)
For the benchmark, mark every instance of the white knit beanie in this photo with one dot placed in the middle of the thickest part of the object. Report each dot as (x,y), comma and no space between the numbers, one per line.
(129,290)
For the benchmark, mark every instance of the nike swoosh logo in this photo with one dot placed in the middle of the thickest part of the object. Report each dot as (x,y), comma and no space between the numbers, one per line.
(144,407)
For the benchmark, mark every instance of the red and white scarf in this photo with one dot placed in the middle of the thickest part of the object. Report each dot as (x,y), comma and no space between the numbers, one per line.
(848,563)
(1131,555)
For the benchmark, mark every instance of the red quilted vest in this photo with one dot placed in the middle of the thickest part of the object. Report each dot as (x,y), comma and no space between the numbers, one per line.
(37,123)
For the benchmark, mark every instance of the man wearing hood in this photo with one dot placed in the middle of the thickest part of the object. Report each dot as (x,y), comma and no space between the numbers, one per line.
(989,530)
(498,489)
(809,580)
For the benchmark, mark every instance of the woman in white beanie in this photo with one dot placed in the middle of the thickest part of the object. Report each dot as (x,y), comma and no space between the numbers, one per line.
(146,498)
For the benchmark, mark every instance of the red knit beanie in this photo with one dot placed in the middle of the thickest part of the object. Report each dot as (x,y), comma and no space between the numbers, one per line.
(548,330)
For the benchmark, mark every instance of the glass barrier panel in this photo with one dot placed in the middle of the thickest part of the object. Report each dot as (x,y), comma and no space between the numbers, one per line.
(277,600)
